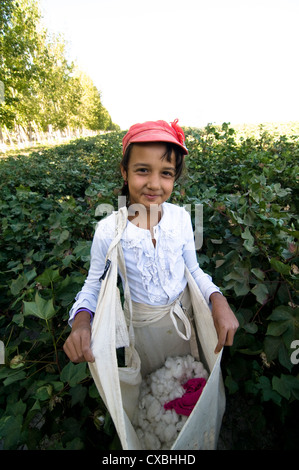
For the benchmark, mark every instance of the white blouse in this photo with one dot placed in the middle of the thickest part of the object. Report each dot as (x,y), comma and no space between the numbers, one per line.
(155,273)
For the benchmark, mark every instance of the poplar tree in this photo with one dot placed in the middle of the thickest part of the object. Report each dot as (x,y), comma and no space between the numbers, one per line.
(42,89)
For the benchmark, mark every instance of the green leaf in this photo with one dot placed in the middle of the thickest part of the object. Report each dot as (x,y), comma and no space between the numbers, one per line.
(290,383)
(10,430)
(251,328)
(73,373)
(284,312)
(82,250)
(63,236)
(48,276)
(44,392)
(231,384)
(75,444)
(267,392)
(285,385)
(279,266)
(41,308)
(277,328)
(285,321)
(272,345)
(241,288)
(261,292)
(78,394)
(259,274)
(249,240)
(14,377)
(18,284)
(280,387)
(285,357)
(17,408)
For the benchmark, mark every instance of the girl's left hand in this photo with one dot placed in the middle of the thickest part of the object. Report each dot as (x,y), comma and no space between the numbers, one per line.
(225,321)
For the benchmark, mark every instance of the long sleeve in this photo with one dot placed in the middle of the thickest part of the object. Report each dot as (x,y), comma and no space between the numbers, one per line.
(203,280)
(88,296)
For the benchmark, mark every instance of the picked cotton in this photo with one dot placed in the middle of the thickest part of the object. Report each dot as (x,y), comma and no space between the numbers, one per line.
(156,427)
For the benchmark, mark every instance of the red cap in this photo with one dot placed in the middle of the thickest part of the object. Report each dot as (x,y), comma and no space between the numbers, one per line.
(155,131)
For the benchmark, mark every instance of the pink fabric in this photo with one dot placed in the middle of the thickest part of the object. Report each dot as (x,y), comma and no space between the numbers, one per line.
(155,131)
(185,404)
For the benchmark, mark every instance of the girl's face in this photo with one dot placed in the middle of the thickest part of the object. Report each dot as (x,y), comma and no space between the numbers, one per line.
(150,177)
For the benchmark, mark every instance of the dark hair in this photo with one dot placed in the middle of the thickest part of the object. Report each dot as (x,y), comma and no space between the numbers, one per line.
(179,161)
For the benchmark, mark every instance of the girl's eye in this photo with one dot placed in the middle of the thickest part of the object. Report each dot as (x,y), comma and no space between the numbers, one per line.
(168,173)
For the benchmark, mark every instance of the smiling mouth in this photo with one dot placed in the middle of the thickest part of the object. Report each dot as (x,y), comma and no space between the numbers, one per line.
(151,196)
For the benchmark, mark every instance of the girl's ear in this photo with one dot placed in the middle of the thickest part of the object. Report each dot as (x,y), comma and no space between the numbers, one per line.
(123,172)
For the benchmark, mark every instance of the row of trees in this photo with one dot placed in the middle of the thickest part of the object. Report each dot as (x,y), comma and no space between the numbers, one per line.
(41,88)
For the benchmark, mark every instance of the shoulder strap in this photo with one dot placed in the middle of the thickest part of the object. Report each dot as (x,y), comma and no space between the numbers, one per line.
(121,218)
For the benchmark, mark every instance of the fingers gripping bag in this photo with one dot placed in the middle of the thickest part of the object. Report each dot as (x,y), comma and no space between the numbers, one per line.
(147,347)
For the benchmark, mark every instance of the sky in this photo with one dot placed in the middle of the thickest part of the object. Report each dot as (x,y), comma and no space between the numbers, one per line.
(201,61)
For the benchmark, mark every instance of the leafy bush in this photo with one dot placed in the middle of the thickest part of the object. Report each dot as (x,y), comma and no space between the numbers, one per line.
(250,195)
(48,202)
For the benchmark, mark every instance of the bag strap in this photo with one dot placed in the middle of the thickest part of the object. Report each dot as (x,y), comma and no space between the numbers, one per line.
(120,226)
(177,309)
(121,219)
(127,294)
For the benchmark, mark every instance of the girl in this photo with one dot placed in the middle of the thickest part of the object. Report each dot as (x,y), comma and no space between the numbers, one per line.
(157,243)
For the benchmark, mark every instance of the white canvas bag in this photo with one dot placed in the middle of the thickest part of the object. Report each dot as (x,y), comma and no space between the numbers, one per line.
(119,386)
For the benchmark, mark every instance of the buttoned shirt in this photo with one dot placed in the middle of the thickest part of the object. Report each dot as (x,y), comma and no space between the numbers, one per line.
(155,272)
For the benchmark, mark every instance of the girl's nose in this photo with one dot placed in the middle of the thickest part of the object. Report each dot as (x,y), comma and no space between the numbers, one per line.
(153,182)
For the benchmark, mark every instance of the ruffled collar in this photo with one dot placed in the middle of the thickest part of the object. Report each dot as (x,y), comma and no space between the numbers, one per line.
(165,224)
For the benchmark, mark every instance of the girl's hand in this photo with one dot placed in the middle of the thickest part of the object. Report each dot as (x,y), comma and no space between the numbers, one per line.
(77,345)
(225,322)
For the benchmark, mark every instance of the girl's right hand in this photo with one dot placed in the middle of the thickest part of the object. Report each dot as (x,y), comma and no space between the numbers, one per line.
(77,345)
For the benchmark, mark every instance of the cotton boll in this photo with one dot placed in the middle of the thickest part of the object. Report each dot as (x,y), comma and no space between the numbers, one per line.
(160,388)
(160,374)
(154,388)
(148,399)
(173,395)
(144,391)
(180,424)
(142,421)
(162,399)
(168,362)
(186,364)
(175,417)
(168,374)
(170,433)
(153,409)
(158,416)
(198,370)
(167,417)
(179,388)
(151,441)
(178,372)
(170,417)
(140,434)
(159,430)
